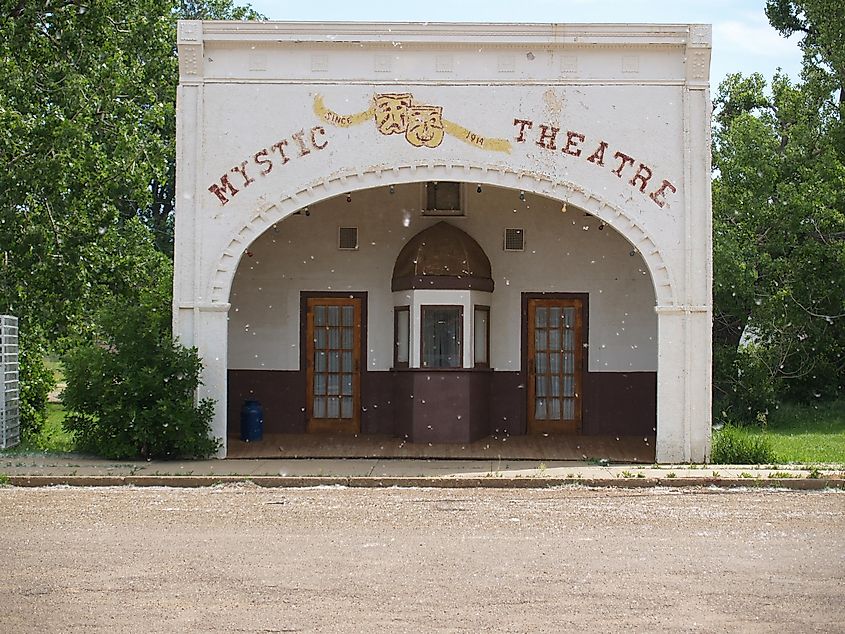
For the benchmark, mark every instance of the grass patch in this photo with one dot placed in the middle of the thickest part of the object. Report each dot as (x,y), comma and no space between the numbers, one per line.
(808,433)
(737,445)
(798,434)
(53,437)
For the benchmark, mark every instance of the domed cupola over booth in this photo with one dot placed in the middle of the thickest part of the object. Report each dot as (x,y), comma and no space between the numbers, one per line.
(442,287)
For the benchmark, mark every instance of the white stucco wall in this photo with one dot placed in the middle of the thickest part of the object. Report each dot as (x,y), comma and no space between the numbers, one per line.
(612,118)
(564,252)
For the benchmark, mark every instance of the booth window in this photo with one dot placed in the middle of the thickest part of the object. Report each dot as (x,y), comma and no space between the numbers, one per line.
(481,331)
(441,336)
(401,336)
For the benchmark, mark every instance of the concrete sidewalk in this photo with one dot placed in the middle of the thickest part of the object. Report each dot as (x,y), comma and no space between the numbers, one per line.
(78,470)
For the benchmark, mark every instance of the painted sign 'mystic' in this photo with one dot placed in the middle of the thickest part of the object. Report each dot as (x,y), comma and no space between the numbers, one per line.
(423,126)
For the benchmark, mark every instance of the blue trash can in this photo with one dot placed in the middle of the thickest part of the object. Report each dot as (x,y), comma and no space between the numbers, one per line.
(252,421)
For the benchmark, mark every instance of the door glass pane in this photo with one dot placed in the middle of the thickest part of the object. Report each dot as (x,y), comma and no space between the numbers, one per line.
(568,339)
(347,385)
(441,337)
(568,385)
(481,331)
(569,362)
(334,315)
(320,361)
(554,339)
(334,361)
(320,338)
(348,338)
(554,358)
(334,337)
(569,317)
(333,409)
(554,409)
(346,408)
(347,361)
(541,363)
(541,381)
(348,315)
(319,407)
(540,409)
(568,409)
(555,386)
(554,318)
(540,339)
(334,384)
(540,317)
(402,336)
(319,315)
(319,384)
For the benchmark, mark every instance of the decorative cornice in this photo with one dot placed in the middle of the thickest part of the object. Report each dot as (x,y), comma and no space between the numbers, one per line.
(471,33)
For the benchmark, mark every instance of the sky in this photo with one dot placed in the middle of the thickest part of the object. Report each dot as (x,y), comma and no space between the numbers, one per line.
(743,41)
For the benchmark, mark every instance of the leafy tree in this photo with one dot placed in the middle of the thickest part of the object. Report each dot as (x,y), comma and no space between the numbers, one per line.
(822,23)
(779,226)
(35,380)
(87,141)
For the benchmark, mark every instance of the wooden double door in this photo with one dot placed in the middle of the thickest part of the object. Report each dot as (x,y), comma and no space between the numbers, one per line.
(555,360)
(333,364)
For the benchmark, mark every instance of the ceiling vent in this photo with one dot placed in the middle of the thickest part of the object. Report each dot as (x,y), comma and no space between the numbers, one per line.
(347,238)
(514,240)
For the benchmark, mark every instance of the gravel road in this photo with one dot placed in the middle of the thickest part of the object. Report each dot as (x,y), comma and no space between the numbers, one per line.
(244,559)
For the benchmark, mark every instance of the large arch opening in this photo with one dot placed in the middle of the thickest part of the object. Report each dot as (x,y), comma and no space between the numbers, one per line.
(547,255)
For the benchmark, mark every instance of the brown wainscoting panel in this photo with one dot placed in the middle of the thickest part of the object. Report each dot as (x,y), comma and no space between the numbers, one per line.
(623,403)
(280,392)
(403,403)
(507,403)
(377,402)
(442,406)
(479,403)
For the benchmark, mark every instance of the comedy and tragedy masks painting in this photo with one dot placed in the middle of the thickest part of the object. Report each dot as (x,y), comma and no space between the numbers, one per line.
(425,126)
(391,112)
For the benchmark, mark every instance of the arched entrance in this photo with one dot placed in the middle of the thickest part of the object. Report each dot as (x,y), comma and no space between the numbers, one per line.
(550,311)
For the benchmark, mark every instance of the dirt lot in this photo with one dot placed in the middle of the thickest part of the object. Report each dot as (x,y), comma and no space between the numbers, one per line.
(245,559)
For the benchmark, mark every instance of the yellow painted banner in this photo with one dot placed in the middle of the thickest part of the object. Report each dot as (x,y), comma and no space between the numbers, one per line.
(422,125)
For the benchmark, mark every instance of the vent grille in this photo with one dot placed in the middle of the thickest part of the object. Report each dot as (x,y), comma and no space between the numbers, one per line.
(514,240)
(347,238)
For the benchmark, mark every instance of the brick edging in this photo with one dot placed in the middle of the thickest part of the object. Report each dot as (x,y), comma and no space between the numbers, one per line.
(419,481)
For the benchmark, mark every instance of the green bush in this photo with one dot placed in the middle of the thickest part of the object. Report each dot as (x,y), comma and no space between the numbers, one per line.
(130,393)
(734,445)
(36,381)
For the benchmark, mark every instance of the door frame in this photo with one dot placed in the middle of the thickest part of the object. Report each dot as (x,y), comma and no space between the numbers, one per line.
(585,339)
(304,296)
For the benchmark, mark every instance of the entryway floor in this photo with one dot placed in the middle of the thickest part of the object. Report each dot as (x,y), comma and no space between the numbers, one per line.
(628,449)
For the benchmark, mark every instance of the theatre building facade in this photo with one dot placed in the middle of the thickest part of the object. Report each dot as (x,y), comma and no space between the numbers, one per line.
(443,232)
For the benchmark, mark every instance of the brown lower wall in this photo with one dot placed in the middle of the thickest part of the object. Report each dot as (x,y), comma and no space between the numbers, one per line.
(280,392)
(442,406)
(623,403)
